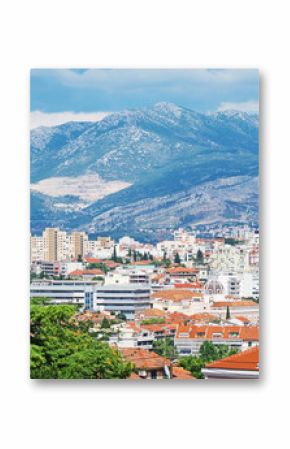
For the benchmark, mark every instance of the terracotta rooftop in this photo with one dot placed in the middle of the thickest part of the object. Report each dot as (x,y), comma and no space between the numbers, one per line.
(243,319)
(174,294)
(219,304)
(245,360)
(151,313)
(92,260)
(193,285)
(203,316)
(245,333)
(157,327)
(178,270)
(143,359)
(180,373)
(93,271)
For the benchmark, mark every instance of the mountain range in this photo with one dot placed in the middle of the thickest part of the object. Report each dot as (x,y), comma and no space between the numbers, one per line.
(145,172)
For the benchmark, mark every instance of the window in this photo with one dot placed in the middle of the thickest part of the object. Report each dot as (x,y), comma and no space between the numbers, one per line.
(154,374)
(185,351)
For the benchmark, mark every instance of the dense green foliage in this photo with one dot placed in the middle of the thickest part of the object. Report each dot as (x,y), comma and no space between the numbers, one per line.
(61,349)
(177,258)
(99,265)
(208,353)
(165,347)
(233,242)
(193,364)
(105,324)
(199,257)
(153,321)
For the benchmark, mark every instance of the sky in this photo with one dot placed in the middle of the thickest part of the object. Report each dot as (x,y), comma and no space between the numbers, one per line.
(61,95)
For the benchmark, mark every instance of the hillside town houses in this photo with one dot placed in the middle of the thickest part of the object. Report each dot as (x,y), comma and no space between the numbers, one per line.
(182,291)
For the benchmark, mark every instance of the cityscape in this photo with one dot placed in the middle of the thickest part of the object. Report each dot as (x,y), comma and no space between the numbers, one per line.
(161,306)
(144,244)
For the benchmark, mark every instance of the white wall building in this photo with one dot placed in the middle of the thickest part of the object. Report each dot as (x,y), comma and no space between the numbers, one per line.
(60,292)
(126,298)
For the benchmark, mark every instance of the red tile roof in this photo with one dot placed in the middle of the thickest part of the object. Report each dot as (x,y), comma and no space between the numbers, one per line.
(93,272)
(220,304)
(92,260)
(159,327)
(151,313)
(181,270)
(244,333)
(245,360)
(195,285)
(203,316)
(143,359)
(180,373)
(173,294)
(243,319)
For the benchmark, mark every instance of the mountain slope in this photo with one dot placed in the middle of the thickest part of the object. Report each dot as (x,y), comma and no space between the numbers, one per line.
(152,153)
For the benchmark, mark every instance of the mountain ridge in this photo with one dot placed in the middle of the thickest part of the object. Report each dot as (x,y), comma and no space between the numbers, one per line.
(146,149)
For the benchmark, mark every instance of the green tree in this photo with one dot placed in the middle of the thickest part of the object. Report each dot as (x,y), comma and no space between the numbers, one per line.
(199,257)
(97,278)
(122,316)
(99,265)
(61,350)
(115,254)
(177,258)
(228,315)
(165,347)
(194,365)
(105,324)
(208,353)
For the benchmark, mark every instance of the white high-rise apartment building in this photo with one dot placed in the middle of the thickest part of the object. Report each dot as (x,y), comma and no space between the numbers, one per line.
(56,245)
(36,248)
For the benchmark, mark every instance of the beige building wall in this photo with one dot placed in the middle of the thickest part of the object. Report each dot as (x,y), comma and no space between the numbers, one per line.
(36,248)
(50,244)
(79,242)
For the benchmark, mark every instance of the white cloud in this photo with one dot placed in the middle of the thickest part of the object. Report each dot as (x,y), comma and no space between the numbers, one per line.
(38,118)
(246,106)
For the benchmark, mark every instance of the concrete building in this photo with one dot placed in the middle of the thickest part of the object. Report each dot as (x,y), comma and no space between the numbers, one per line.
(130,335)
(79,244)
(36,248)
(128,276)
(189,339)
(50,244)
(183,301)
(60,292)
(125,298)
